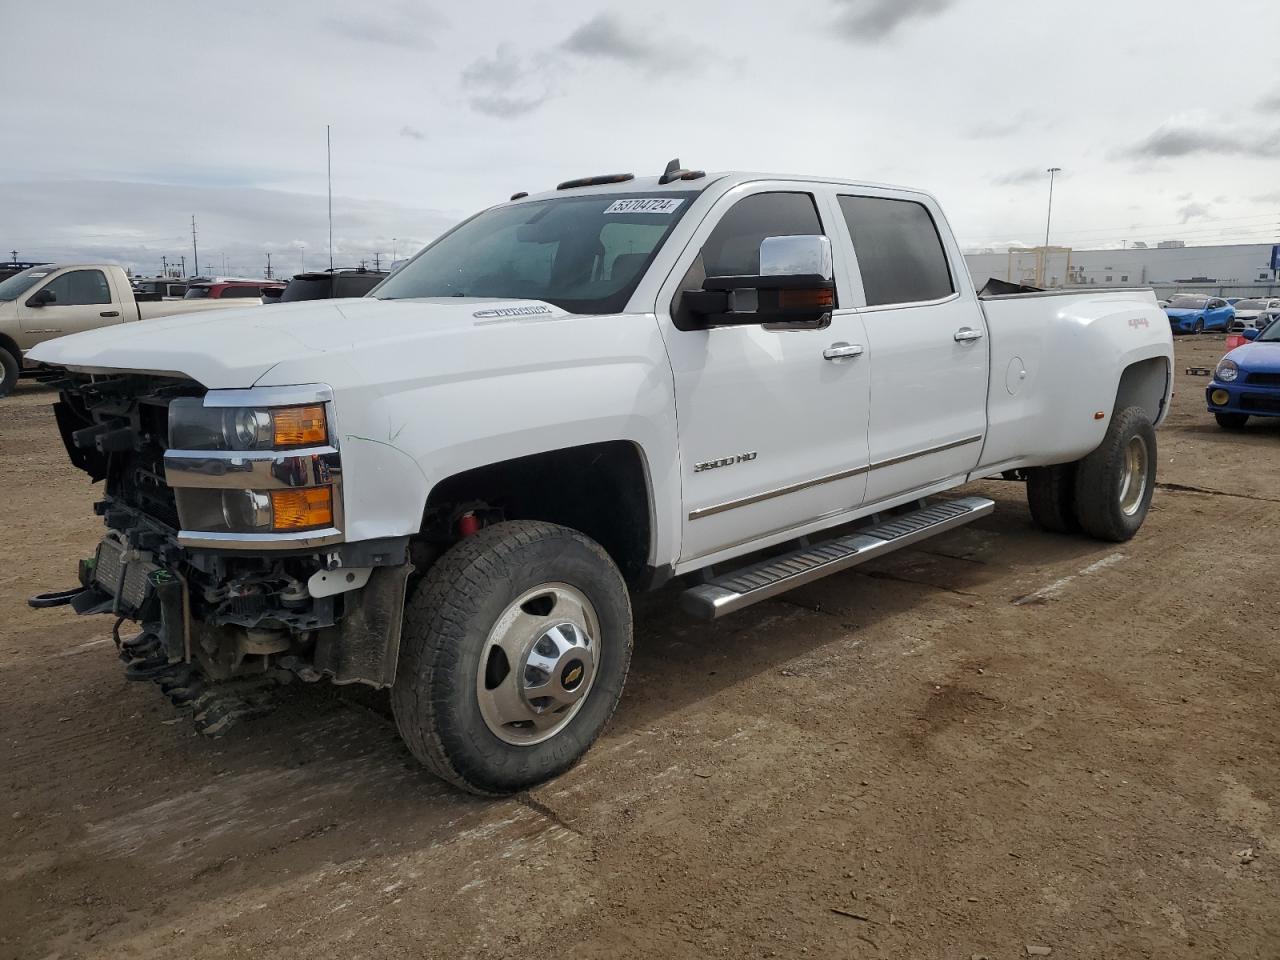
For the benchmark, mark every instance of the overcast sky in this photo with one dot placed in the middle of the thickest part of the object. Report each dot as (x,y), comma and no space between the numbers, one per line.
(123,120)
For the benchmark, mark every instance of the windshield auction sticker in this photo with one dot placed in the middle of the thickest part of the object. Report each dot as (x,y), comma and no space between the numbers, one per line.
(645,205)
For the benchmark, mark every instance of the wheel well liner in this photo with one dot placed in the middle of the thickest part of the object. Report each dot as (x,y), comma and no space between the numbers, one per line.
(7,344)
(600,489)
(1144,384)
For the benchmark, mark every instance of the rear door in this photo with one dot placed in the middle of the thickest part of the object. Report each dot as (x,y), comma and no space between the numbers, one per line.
(82,301)
(926,342)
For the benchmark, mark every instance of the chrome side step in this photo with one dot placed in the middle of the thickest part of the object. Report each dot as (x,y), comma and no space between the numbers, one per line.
(770,577)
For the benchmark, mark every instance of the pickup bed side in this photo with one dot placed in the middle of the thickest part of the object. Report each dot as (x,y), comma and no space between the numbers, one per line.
(1062,363)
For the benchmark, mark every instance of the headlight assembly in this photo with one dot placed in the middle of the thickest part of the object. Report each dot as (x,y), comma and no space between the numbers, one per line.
(1227,371)
(193,426)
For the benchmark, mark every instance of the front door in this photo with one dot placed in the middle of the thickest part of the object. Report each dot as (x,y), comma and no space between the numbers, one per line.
(772,422)
(82,301)
(926,343)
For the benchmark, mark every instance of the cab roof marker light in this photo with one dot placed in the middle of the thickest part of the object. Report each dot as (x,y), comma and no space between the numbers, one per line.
(520,196)
(596,181)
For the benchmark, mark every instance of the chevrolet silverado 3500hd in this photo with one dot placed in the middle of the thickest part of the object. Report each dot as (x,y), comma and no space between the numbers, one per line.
(451,487)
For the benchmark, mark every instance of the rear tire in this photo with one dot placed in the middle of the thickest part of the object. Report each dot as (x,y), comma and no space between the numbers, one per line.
(504,617)
(1114,483)
(10,369)
(1231,421)
(1051,495)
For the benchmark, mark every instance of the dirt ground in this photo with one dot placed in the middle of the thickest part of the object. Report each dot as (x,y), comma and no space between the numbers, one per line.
(1005,738)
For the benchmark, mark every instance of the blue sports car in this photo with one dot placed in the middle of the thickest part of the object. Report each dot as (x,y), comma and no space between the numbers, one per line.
(1247,381)
(1193,313)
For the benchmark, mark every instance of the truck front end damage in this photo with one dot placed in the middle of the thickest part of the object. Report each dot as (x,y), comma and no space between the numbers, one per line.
(225,544)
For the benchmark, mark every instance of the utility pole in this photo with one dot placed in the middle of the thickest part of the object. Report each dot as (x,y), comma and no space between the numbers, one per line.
(377,261)
(164,266)
(195,251)
(328,156)
(268,266)
(14,255)
(393,249)
(183,258)
(1049,216)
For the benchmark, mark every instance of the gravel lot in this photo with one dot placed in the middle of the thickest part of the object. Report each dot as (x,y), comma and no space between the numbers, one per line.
(1003,739)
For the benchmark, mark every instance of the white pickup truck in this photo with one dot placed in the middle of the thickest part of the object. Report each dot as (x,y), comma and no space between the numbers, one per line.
(53,301)
(452,487)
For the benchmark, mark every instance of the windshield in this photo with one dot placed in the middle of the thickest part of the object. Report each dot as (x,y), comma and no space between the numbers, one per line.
(1248,304)
(20,283)
(197,293)
(1188,302)
(582,254)
(1272,333)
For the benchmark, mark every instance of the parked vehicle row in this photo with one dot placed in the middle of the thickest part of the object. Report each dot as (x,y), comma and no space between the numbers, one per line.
(228,288)
(54,300)
(1251,314)
(450,488)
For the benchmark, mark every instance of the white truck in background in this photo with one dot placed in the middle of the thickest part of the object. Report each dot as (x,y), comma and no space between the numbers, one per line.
(54,300)
(452,486)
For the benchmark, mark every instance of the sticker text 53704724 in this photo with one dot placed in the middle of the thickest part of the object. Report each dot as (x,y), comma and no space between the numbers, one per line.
(645,205)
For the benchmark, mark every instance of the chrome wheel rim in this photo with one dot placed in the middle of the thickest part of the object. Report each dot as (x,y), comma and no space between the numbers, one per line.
(538,664)
(1133,482)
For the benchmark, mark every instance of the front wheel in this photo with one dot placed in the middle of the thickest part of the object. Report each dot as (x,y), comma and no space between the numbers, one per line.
(514,652)
(1115,482)
(9,371)
(1231,421)
(1199,326)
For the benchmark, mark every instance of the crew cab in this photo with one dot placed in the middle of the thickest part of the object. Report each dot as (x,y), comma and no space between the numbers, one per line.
(452,487)
(49,300)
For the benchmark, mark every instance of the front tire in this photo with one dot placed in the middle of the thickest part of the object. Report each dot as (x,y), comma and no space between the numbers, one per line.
(9,371)
(1199,327)
(1231,421)
(514,652)
(1115,482)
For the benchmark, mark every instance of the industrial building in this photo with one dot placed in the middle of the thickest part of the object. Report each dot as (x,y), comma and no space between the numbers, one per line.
(1227,270)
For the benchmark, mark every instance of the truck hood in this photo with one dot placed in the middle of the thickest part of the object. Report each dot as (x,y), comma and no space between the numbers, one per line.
(236,348)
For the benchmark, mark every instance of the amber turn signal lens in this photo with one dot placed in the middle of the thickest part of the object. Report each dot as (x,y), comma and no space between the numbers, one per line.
(296,426)
(302,509)
(806,298)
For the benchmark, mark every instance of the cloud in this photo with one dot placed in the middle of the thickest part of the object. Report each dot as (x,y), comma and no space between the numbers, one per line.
(404,24)
(995,127)
(1272,197)
(413,133)
(1182,139)
(507,85)
(1270,103)
(605,36)
(1022,177)
(1193,211)
(135,224)
(868,20)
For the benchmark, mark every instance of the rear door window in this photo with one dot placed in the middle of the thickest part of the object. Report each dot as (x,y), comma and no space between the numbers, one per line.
(900,253)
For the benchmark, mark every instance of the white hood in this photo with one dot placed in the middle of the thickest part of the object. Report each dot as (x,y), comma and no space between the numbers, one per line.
(236,348)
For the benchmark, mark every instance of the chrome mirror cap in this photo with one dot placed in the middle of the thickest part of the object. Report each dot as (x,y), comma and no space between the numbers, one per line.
(805,255)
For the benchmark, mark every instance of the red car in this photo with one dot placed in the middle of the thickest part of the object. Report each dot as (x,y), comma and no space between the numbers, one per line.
(221,288)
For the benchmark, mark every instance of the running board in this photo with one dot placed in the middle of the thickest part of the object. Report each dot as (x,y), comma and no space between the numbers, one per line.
(768,578)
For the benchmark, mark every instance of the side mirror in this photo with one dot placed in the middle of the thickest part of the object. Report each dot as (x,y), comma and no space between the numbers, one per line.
(794,285)
(1249,334)
(42,298)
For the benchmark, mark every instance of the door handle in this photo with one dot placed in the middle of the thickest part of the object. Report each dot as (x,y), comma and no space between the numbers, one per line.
(109,313)
(842,351)
(967,334)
